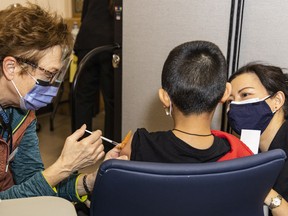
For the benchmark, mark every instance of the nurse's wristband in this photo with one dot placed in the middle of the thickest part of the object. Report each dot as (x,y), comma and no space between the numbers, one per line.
(85,185)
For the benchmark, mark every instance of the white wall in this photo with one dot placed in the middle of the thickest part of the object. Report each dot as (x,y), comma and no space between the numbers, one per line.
(150,30)
(63,7)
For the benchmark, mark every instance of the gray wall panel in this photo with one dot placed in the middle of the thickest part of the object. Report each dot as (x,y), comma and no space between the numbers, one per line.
(265,30)
(150,30)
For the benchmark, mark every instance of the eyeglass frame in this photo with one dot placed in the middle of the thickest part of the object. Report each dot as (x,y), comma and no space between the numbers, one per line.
(36,66)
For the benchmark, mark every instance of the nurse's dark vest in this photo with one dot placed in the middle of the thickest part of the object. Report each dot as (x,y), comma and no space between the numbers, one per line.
(6,178)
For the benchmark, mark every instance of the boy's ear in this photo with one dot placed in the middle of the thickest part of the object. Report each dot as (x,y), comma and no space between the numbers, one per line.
(8,67)
(164,97)
(227,93)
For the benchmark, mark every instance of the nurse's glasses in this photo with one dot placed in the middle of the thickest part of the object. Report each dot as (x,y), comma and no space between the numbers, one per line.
(46,75)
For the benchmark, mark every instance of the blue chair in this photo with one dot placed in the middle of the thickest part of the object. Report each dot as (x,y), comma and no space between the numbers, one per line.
(231,188)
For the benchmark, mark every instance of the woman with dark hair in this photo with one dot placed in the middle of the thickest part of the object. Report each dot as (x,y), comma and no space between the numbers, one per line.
(259,101)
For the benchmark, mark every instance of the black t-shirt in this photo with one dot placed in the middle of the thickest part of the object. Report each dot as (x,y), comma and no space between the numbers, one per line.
(280,141)
(165,147)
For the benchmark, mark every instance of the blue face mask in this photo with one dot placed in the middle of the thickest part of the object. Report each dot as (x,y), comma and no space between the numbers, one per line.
(252,114)
(39,96)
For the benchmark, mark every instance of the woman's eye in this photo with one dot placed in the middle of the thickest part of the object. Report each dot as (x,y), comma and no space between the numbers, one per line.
(49,75)
(243,95)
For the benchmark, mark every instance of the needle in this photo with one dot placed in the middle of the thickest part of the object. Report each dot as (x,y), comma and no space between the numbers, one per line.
(104,138)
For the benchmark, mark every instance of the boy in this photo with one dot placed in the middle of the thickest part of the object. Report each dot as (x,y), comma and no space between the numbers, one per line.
(193,83)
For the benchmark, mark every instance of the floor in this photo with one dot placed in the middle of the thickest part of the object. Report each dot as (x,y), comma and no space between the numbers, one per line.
(51,142)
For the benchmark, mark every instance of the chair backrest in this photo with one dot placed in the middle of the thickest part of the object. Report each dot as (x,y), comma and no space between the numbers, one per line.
(36,206)
(236,187)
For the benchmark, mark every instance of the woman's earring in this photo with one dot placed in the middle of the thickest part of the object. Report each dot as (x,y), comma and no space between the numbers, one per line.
(275,110)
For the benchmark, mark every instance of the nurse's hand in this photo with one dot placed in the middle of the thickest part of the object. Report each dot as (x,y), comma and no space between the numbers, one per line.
(90,180)
(76,154)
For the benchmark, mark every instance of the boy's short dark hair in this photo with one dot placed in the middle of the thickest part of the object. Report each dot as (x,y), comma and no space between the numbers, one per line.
(194,76)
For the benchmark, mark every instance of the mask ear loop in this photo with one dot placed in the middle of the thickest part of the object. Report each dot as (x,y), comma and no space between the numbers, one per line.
(265,98)
(269,96)
(16,89)
(33,77)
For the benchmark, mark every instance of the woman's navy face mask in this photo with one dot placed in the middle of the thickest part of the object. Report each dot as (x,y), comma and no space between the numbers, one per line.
(252,114)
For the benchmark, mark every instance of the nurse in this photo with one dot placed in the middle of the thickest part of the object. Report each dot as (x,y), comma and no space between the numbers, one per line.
(35,46)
